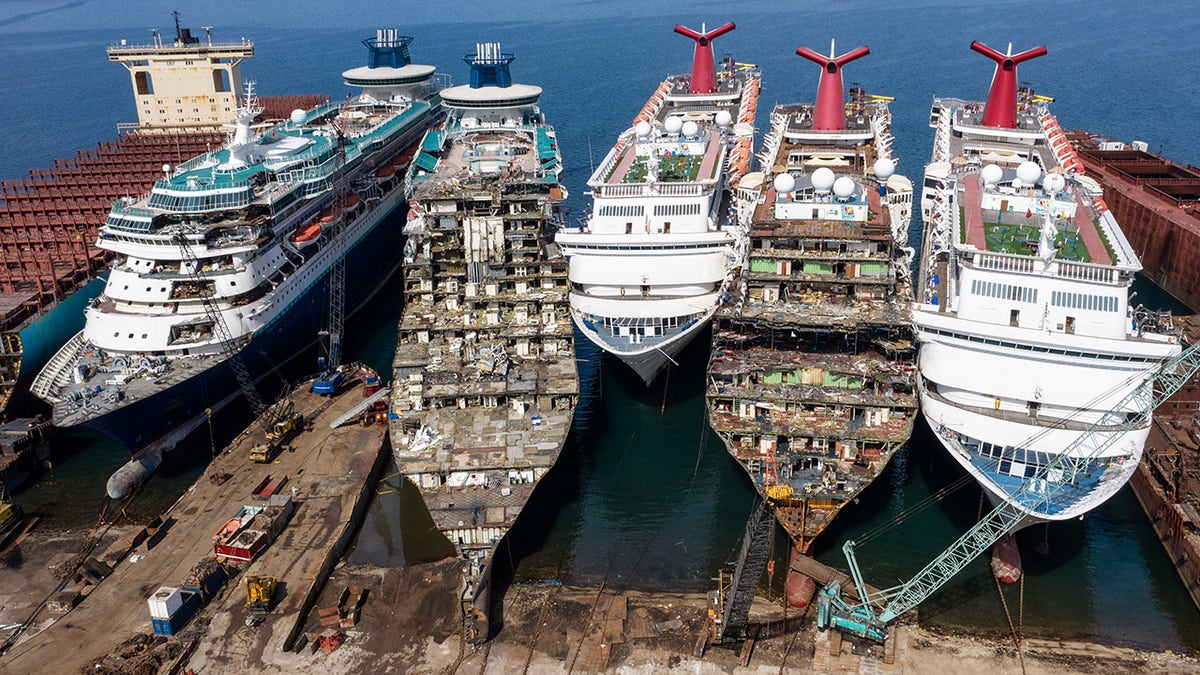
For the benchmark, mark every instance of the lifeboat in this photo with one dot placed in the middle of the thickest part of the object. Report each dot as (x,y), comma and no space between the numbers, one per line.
(305,235)
(329,214)
(384,173)
(352,200)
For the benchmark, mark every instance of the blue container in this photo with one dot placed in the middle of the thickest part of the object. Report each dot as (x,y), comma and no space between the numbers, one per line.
(191,603)
(209,587)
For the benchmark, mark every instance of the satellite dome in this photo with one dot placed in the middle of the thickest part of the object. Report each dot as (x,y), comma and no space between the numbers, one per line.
(884,168)
(991,174)
(1054,183)
(723,118)
(785,182)
(642,129)
(298,116)
(673,125)
(822,179)
(843,187)
(1029,172)
(690,129)
(166,168)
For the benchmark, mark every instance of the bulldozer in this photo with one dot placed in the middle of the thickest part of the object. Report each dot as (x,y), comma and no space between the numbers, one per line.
(260,591)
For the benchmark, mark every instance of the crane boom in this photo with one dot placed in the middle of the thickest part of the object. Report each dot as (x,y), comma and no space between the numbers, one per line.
(228,345)
(1132,412)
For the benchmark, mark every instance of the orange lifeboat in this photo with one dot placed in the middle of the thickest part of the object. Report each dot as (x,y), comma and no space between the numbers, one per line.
(384,173)
(329,214)
(305,234)
(352,200)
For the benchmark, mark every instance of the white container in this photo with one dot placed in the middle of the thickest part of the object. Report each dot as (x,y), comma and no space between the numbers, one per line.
(165,602)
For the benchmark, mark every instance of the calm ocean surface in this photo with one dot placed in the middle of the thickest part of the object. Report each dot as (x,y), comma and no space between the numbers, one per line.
(644,496)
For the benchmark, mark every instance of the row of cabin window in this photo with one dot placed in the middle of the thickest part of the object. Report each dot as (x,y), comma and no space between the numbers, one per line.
(1101,303)
(676,209)
(993,289)
(613,210)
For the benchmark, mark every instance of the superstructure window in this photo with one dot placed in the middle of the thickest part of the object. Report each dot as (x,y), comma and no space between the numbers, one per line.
(622,211)
(1095,303)
(993,289)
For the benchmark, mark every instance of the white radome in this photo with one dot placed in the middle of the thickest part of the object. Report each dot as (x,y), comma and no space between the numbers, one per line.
(642,129)
(884,168)
(1029,173)
(843,187)
(1054,183)
(298,117)
(823,179)
(723,118)
(991,174)
(690,129)
(673,125)
(784,183)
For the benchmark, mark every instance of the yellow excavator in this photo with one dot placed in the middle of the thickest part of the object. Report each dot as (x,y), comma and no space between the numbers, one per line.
(259,593)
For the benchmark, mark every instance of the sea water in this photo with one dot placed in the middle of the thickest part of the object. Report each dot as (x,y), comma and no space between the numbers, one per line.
(644,495)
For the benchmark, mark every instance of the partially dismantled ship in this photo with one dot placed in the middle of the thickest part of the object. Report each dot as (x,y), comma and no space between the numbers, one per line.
(811,378)
(484,371)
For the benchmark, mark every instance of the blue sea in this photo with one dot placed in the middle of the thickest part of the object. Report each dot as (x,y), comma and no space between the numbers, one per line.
(644,496)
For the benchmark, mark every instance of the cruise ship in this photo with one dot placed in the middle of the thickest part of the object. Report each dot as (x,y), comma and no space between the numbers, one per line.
(50,219)
(1023,318)
(229,254)
(484,370)
(655,256)
(811,379)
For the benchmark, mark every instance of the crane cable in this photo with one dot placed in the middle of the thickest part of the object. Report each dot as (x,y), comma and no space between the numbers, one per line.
(920,506)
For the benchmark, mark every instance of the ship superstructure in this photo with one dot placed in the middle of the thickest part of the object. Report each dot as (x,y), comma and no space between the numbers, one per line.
(811,382)
(230,252)
(655,256)
(1023,315)
(50,220)
(484,370)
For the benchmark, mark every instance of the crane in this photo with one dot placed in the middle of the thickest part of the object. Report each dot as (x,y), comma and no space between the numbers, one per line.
(220,329)
(863,619)
(331,376)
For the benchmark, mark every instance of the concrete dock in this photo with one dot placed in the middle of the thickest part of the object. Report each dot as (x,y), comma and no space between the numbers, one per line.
(330,474)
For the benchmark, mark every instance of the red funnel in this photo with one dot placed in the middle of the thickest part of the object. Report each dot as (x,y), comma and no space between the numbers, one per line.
(704,74)
(829,113)
(1001,108)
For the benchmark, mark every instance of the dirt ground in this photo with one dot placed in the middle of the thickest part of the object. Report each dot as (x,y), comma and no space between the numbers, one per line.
(410,624)
(33,572)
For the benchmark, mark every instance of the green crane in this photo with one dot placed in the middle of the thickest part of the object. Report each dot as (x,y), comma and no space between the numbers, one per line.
(870,617)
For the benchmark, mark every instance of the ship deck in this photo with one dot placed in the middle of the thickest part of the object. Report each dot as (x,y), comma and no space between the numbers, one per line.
(1018,233)
(672,167)
(465,158)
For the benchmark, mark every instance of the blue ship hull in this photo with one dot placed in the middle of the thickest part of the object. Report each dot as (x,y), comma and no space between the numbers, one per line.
(43,335)
(369,266)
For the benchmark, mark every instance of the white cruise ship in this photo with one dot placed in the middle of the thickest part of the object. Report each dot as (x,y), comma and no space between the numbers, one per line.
(230,254)
(1023,315)
(654,259)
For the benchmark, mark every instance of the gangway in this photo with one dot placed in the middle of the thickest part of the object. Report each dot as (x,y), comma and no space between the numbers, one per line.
(861,618)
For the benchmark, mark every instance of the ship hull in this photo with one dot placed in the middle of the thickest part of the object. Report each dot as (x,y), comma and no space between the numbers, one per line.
(42,335)
(647,363)
(370,264)
(1092,488)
